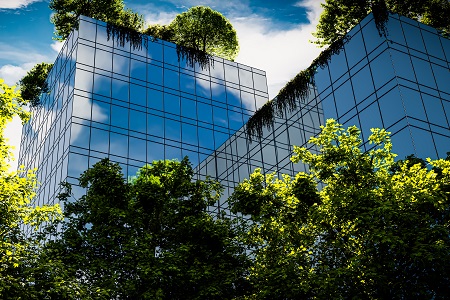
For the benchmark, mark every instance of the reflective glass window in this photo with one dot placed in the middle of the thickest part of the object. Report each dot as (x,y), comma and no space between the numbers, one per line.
(344,98)
(85,55)
(138,94)
(154,99)
(413,103)
(77,164)
(102,36)
(362,84)
(188,108)
(220,116)
(121,65)
(248,101)
(231,74)
(371,36)
(245,78)
(204,112)
(423,72)
(170,56)
(233,97)
(173,130)
(120,89)
(155,151)
(118,144)
(413,37)
(370,118)
(99,140)
(172,104)
(189,134)
(154,51)
(218,92)
(101,112)
(218,70)
(382,70)
(154,74)
(102,85)
(82,107)
(138,69)
(206,139)
(87,30)
(83,80)
(402,65)
(355,50)
(171,79)
(442,76)
(187,83)
(260,82)
(155,125)
(441,143)
(395,31)
(119,116)
(433,44)
(203,88)
(435,111)
(103,59)
(391,107)
(337,66)
(138,149)
(79,135)
(138,121)
(423,143)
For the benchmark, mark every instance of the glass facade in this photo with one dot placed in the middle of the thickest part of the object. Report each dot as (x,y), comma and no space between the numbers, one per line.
(133,106)
(139,105)
(400,82)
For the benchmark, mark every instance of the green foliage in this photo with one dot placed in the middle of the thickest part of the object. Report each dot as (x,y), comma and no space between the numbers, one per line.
(150,238)
(33,84)
(18,252)
(163,32)
(339,16)
(207,30)
(67,13)
(374,230)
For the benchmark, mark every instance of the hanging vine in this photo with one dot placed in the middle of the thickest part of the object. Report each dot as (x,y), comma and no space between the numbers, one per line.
(294,92)
(124,35)
(193,56)
(380,16)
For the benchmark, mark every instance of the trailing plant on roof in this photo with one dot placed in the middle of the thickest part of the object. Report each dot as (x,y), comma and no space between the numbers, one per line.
(380,16)
(296,91)
(123,35)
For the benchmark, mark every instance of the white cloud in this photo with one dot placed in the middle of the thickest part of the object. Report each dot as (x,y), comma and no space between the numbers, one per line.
(12,74)
(57,46)
(281,53)
(13,132)
(13,4)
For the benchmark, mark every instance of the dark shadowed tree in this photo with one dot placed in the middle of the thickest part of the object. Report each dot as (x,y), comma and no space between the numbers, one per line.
(33,84)
(67,13)
(339,16)
(150,238)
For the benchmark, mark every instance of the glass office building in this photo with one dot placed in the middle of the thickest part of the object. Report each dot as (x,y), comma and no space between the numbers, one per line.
(133,105)
(400,82)
(139,105)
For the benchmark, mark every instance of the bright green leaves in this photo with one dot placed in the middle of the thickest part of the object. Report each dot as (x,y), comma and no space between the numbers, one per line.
(202,28)
(374,228)
(18,253)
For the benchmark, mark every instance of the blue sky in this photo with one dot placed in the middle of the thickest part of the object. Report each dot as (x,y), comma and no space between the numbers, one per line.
(273,35)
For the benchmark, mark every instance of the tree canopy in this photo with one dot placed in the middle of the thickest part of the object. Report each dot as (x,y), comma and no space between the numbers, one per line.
(18,252)
(358,226)
(67,13)
(150,238)
(33,84)
(339,16)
